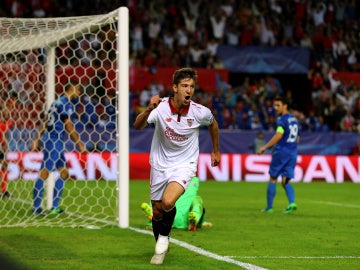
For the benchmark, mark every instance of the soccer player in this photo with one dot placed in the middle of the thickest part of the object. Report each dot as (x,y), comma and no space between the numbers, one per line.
(284,155)
(174,151)
(190,211)
(5,125)
(52,131)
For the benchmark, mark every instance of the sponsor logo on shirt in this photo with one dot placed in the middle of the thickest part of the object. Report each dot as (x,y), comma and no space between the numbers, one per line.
(171,135)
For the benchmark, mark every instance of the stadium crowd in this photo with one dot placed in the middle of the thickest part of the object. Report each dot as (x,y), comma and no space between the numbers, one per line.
(185,33)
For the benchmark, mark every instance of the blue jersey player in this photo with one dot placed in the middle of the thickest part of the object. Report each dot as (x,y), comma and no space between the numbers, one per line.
(52,131)
(284,155)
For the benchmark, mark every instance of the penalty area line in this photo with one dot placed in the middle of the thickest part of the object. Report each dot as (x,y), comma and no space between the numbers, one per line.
(206,253)
(296,257)
(338,204)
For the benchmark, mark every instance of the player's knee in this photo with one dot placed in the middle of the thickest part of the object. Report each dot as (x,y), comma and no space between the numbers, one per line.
(157,213)
(167,204)
(285,181)
(273,179)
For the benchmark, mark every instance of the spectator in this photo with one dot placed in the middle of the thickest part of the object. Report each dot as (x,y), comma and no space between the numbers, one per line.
(137,37)
(196,53)
(340,7)
(190,21)
(194,7)
(218,22)
(321,126)
(318,15)
(311,122)
(232,36)
(267,34)
(258,142)
(347,122)
(356,149)
(154,29)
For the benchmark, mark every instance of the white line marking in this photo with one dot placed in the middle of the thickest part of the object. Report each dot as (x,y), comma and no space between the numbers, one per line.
(296,257)
(195,249)
(338,204)
(206,253)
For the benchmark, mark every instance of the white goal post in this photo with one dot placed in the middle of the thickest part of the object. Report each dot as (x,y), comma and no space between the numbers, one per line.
(37,58)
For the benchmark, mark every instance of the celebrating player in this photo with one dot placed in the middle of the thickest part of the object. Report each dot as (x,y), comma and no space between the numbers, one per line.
(174,151)
(284,155)
(58,121)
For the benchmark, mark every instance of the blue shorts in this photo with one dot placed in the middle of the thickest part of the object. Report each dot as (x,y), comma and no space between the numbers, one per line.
(53,150)
(282,164)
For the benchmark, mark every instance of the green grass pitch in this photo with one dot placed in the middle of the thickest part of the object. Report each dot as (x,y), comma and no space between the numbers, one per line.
(322,234)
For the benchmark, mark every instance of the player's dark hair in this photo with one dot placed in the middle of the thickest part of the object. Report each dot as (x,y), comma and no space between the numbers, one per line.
(184,73)
(282,99)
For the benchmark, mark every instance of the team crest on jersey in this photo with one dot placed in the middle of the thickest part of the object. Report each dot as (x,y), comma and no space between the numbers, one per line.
(190,122)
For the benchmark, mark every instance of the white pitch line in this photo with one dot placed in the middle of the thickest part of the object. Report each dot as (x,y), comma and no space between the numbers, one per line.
(338,204)
(206,253)
(296,257)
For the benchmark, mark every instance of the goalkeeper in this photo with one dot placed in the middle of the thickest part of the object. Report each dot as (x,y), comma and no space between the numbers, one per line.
(190,211)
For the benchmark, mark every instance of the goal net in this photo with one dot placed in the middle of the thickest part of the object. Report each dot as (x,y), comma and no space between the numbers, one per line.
(37,59)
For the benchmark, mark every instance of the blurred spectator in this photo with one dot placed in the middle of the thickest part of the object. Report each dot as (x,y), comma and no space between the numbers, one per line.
(318,14)
(190,21)
(267,34)
(232,35)
(321,126)
(154,29)
(197,54)
(145,97)
(137,37)
(168,39)
(347,122)
(347,99)
(243,121)
(194,6)
(356,149)
(311,122)
(258,142)
(340,7)
(218,22)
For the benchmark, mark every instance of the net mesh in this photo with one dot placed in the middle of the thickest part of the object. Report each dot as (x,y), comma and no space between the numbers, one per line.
(85,51)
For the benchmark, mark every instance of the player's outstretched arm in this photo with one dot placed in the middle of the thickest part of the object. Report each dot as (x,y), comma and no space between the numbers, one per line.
(274,140)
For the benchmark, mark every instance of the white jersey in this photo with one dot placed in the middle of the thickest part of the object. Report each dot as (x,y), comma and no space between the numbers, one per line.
(176,138)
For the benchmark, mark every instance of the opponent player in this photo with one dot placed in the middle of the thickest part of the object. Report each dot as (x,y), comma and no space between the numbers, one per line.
(174,151)
(58,121)
(284,155)
(190,211)
(5,125)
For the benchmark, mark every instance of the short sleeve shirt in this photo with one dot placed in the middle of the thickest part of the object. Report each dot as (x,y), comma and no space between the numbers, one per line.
(176,136)
(60,110)
(288,142)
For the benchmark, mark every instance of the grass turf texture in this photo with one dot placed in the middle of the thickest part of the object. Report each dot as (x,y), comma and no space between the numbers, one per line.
(322,234)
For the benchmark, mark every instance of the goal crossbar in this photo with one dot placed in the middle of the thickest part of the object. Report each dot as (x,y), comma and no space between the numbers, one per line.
(38,33)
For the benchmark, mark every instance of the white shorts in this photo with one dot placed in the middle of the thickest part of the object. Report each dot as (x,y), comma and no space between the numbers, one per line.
(160,179)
